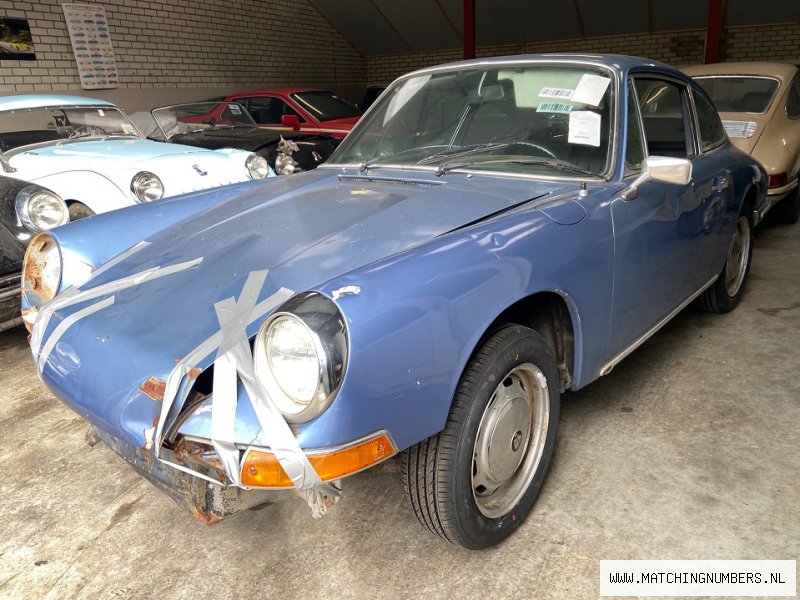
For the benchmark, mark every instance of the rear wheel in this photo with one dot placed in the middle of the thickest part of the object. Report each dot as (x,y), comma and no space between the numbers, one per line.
(474,483)
(78,210)
(726,292)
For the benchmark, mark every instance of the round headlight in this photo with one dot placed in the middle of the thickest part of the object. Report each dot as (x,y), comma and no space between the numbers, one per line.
(40,209)
(41,270)
(286,165)
(257,166)
(300,355)
(147,186)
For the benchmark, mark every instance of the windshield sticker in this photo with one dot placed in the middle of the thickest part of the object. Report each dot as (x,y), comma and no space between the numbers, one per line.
(554,107)
(235,109)
(584,128)
(591,89)
(128,129)
(562,93)
(100,112)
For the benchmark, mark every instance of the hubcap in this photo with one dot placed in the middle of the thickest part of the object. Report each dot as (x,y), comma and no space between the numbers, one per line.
(510,440)
(738,253)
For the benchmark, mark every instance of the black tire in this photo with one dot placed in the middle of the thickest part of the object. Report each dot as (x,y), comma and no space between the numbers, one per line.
(438,472)
(78,210)
(787,211)
(720,297)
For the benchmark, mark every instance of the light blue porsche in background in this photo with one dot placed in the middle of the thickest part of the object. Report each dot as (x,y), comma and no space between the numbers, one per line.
(490,234)
(90,154)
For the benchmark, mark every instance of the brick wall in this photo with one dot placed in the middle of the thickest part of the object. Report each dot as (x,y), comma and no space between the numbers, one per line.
(773,42)
(192,48)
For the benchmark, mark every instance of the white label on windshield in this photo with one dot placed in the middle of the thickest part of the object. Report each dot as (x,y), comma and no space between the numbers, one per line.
(235,109)
(101,113)
(584,128)
(590,89)
(554,107)
(562,93)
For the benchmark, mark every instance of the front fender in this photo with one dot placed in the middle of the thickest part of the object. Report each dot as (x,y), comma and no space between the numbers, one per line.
(88,187)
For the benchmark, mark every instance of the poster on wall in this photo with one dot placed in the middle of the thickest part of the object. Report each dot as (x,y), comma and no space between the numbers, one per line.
(16,42)
(91,44)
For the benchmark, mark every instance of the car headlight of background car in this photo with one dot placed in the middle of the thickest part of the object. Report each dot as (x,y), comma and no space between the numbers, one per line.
(257,166)
(147,186)
(285,164)
(41,270)
(300,356)
(40,209)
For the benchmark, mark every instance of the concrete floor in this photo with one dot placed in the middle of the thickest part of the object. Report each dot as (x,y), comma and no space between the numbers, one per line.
(689,449)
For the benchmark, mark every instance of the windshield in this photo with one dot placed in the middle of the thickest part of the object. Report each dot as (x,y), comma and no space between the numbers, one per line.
(201,116)
(524,119)
(325,106)
(740,94)
(33,126)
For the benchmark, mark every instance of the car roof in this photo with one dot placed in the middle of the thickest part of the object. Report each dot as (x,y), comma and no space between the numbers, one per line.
(43,101)
(281,91)
(618,62)
(782,71)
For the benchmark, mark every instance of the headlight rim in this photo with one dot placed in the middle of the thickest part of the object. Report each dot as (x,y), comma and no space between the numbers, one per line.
(279,169)
(135,179)
(23,202)
(32,298)
(332,361)
(248,164)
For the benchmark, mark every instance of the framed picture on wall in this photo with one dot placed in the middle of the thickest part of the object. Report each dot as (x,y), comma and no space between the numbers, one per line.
(16,42)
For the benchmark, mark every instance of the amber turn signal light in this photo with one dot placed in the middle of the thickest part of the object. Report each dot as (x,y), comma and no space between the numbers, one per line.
(262,469)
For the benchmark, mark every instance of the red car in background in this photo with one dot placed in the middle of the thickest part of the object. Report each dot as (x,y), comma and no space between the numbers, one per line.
(298,109)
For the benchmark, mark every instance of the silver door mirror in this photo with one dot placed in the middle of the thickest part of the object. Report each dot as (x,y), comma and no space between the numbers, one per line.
(665,169)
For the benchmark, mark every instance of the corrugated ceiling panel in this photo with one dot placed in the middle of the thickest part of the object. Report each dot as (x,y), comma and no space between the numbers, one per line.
(421,23)
(670,15)
(362,24)
(758,12)
(512,21)
(601,17)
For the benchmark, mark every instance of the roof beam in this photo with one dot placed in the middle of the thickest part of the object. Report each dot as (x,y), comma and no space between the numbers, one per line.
(713,30)
(579,19)
(469,29)
(408,46)
(450,21)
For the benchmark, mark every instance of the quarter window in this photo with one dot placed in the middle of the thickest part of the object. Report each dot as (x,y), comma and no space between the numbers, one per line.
(267,110)
(712,133)
(665,117)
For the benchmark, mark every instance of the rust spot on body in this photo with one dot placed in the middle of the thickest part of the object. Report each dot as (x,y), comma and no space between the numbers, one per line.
(194,373)
(154,388)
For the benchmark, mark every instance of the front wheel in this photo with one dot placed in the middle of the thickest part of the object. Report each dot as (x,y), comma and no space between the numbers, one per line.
(726,292)
(78,210)
(475,482)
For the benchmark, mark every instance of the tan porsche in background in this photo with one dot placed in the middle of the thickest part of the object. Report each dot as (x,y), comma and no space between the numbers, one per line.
(760,108)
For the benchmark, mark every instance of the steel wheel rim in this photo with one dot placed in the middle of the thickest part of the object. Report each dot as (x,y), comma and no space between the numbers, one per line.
(739,251)
(510,441)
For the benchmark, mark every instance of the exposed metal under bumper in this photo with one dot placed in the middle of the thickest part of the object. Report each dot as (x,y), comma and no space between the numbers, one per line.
(9,301)
(760,212)
(209,503)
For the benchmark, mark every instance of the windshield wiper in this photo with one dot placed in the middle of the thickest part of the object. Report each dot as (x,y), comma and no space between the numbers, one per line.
(463,151)
(375,160)
(554,164)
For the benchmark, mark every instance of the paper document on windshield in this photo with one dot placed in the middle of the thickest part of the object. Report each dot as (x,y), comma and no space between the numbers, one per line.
(590,89)
(584,128)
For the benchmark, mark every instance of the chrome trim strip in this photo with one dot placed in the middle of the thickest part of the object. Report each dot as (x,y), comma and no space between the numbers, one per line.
(609,366)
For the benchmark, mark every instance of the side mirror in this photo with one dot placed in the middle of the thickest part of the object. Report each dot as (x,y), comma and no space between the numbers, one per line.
(291,121)
(665,169)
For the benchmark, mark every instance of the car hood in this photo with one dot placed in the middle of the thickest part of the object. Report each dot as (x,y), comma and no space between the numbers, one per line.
(304,230)
(76,154)
(244,138)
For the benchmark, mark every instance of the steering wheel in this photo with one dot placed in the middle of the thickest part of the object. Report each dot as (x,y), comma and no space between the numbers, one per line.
(88,130)
(547,151)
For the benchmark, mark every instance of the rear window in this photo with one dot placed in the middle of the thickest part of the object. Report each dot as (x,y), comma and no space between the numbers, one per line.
(325,106)
(740,94)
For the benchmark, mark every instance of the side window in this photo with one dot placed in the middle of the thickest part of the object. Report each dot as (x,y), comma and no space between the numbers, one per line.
(793,100)
(267,110)
(665,117)
(634,144)
(712,133)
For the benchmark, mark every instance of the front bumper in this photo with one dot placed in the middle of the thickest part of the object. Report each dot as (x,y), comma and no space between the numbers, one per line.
(10,301)
(208,502)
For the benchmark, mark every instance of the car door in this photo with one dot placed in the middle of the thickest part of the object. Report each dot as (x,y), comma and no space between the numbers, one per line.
(663,234)
(268,111)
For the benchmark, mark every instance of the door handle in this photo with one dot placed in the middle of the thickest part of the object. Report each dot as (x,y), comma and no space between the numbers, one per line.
(720,183)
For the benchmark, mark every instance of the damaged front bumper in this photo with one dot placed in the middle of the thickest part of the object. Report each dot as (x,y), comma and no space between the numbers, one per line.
(208,502)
